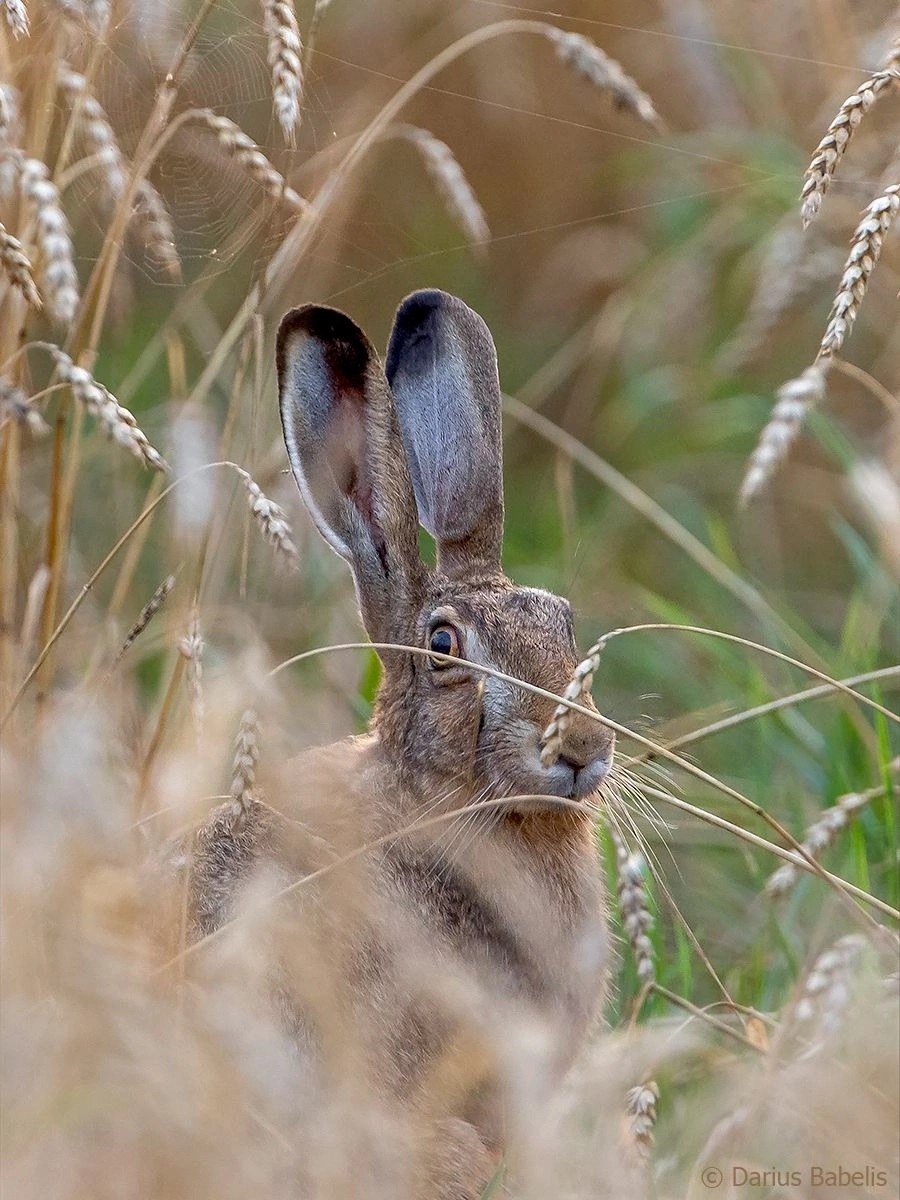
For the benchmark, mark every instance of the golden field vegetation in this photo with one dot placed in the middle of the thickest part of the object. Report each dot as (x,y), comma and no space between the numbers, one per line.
(682,243)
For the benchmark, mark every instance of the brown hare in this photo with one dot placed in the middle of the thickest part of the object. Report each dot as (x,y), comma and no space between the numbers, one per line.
(462,961)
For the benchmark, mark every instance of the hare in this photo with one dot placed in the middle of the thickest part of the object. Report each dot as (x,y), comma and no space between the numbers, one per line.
(467,956)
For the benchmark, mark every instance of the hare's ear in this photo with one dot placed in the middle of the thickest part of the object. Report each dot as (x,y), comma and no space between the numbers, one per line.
(347,457)
(442,368)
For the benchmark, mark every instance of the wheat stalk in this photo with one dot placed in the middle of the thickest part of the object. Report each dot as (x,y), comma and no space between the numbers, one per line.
(286,62)
(16,17)
(450,181)
(246,760)
(824,832)
(118,421)
(831,149)
(18,267)
(56,271)
(603,72)
(270,518)
(250,158)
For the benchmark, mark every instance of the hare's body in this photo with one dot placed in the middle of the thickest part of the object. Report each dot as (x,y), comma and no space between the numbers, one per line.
(443,940)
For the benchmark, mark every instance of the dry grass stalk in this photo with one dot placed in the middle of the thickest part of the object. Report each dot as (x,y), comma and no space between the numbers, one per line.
(18,267)
(450,181)
(246,759)
(147,613)
(16,17)
(191,648)
(250,158)
(577,689)
(56,272)
(793,401)
(603,72)
(14,406)
(831,149)
(865,249)
(286,61)
(637,920)
(640,1117)
(823,833)
(826,993)
(117,420)
(271,519)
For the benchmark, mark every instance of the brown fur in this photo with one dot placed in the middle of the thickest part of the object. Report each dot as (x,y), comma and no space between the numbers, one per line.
(449,961)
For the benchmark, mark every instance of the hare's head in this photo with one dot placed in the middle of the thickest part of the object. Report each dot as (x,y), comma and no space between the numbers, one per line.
(376,454)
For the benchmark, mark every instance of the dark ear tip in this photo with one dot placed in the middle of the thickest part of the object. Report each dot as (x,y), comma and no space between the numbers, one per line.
(419,318)
(346,347)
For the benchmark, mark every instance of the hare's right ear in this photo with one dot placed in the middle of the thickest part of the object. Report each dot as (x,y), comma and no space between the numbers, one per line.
(346,454)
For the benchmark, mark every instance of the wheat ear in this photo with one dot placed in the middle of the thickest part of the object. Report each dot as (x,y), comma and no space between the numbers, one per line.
(831,149)
(118,422)
(450,182)
(820,1008)
(286,62)
(640,1117)
(824,832)
(270,518)
(246,760)
(56,269)
(588,60)
(16,17)
(577,690)
(14,406)
(146,615)
(637,920)
(250,158)
(150,217)
(795,398)
(18,267)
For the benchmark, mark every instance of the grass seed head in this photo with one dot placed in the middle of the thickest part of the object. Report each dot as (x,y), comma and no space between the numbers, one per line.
(147,613)
(246,760)
(152,220)
(640,1117)
(271,519)
(94,130)
(14,406)
(251,159)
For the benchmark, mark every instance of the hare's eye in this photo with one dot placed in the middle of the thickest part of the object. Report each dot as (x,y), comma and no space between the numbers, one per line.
(443,639)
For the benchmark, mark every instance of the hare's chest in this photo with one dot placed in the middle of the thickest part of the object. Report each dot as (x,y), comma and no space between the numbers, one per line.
(534,948)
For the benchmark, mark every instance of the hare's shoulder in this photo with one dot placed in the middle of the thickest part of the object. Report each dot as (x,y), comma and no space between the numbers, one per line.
(308,811)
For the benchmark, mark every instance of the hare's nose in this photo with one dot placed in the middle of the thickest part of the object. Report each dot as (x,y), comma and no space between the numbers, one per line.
(588,749)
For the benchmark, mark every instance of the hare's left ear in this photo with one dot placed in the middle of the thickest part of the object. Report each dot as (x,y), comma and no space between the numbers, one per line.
(346,454)
(442,368)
